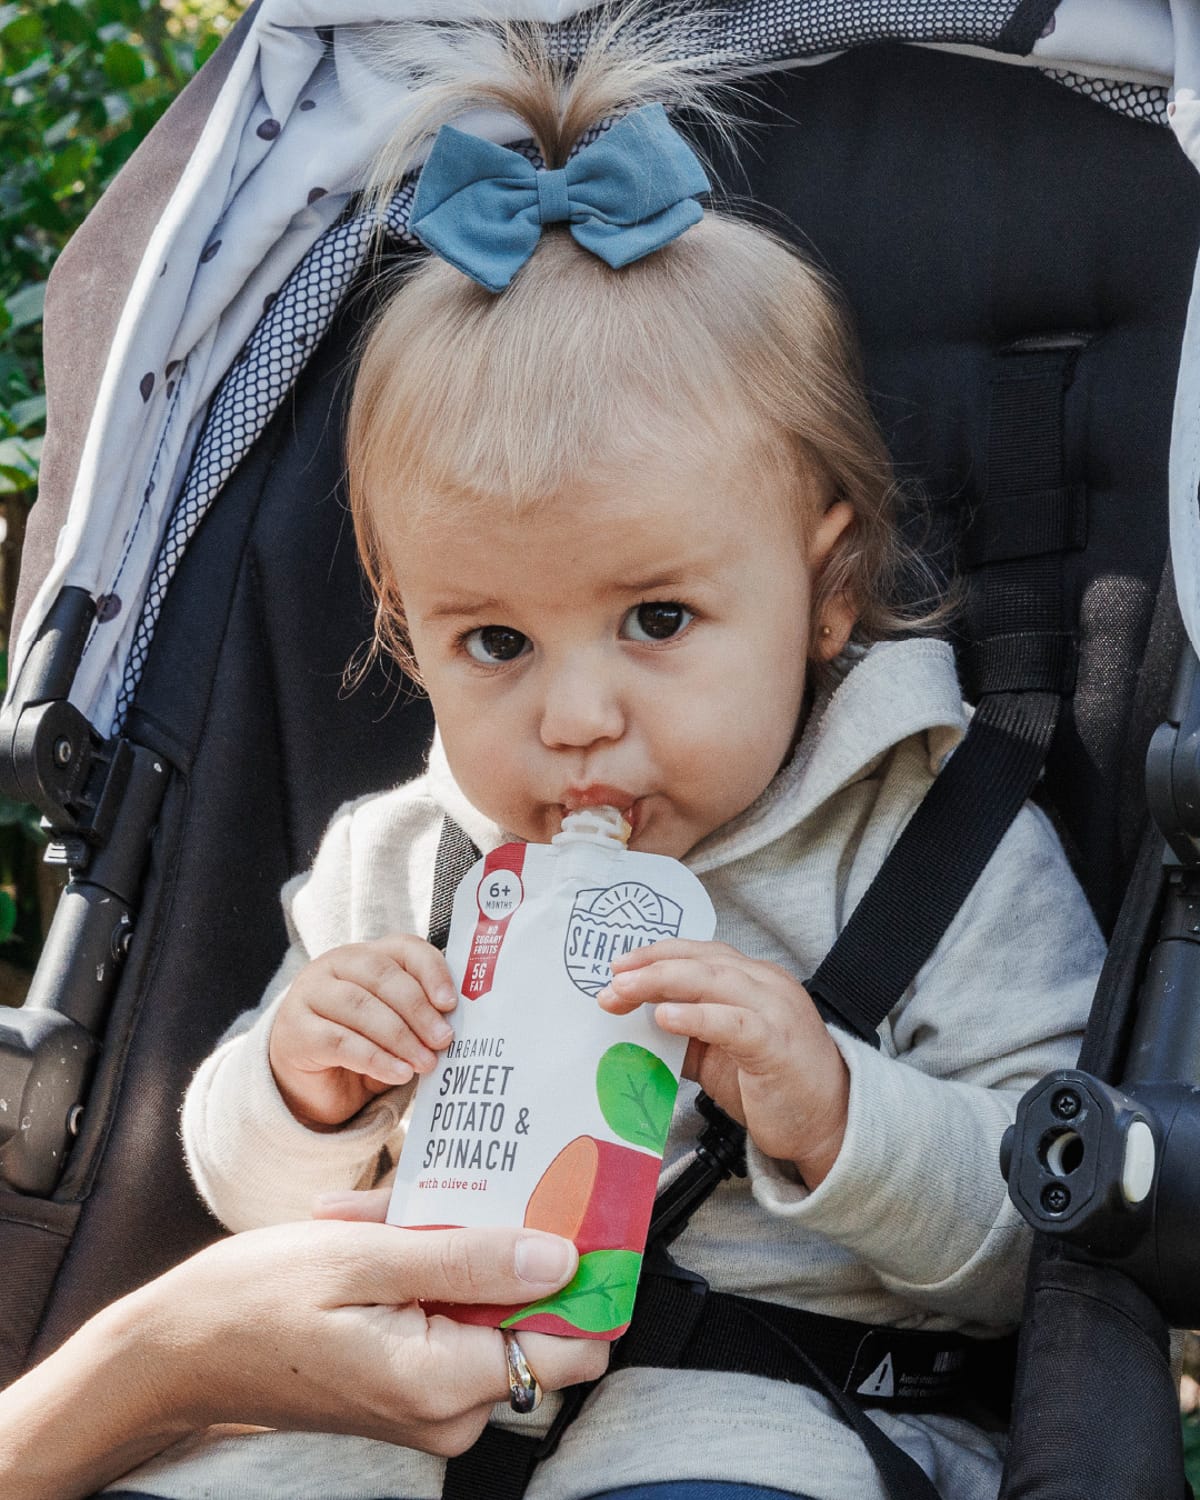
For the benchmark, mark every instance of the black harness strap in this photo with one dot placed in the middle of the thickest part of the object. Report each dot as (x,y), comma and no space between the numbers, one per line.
(681,1325)
(455,856)
(497,1466)
(1019,663)
(935,862)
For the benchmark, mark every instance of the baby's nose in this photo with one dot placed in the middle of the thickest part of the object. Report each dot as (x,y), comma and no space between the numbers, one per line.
(580,707)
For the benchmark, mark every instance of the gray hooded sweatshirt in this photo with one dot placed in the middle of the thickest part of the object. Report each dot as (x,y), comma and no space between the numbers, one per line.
(911,1228)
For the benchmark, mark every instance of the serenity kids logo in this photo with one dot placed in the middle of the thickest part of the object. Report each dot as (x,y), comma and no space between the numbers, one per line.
(611,920)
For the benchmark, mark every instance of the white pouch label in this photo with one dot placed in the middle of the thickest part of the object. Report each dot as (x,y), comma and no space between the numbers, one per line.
(545,1110)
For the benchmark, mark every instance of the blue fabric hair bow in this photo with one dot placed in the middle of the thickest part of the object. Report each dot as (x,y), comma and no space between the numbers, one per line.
(482,207)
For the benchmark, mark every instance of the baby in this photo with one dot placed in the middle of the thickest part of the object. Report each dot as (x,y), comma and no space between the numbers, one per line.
(628,520)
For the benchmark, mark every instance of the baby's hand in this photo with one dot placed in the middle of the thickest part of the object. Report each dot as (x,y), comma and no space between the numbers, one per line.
(759,1047)
(359,1020)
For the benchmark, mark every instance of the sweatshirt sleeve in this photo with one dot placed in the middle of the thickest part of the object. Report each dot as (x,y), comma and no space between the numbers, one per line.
(253,1162)
(916,1191)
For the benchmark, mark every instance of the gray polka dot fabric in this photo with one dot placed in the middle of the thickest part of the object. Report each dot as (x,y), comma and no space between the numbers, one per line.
(291,326)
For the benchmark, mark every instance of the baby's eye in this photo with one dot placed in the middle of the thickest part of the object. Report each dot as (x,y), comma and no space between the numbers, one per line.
(656,622)
(494,643)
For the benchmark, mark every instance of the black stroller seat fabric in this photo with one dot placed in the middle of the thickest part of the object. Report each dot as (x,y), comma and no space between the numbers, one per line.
(974,214)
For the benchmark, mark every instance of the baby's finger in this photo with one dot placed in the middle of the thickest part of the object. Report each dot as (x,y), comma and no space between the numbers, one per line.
(705,976)
(426,964)
(742,1035)
(348,1004)
(332,1045)
(366,1205)
(401,995)
(652,953)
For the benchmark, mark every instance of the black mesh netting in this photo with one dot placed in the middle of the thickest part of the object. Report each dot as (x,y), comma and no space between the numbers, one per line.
(1141,101)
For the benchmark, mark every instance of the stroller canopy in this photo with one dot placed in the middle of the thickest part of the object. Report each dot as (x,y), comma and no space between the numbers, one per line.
(254,249)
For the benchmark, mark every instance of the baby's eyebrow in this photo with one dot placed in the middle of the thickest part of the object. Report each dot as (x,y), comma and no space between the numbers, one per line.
(451,609)
(671,578)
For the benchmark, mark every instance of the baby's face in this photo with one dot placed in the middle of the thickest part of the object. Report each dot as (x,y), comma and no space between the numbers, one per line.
(642,645)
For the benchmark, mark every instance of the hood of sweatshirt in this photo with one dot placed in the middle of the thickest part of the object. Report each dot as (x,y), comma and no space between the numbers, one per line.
(888,693)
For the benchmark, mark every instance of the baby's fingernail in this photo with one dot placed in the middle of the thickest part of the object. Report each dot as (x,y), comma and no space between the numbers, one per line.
(543,1259)
(446,998)
(440,1034)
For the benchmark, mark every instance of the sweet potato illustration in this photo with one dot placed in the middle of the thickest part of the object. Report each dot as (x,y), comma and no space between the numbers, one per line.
(596,1193)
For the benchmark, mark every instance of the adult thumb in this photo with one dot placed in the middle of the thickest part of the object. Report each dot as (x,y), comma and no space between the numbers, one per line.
(392,1265)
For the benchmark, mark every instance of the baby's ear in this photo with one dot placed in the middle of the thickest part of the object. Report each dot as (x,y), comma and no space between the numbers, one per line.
(830,557)
(832,634)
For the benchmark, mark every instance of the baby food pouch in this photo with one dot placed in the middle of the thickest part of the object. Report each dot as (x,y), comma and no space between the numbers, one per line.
(545,1110)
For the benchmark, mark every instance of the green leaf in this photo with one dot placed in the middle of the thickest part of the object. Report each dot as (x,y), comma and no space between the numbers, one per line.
(20,453)
(8,916)
(116,107)
(174,67)
(38,68)
(69,165)
(19,460)
(27,306)
(122,12)
(637,1092)
(598,1299)
(61,130)
(124,65)
(24,31)
(66,22)
(206,48)
(28,413)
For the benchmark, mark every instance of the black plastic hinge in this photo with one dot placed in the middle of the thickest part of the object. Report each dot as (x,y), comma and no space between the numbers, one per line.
(52,756)
(1173,766)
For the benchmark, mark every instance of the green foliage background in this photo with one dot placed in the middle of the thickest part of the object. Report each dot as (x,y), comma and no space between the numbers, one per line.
(81,83)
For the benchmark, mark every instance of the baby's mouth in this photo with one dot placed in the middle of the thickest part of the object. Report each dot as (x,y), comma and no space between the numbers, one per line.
(629,807)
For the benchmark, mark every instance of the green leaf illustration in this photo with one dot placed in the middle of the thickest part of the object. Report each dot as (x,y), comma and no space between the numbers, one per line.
(636,1091)
(598,1298)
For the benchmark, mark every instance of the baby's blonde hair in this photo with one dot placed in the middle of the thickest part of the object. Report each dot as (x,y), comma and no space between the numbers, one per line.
(465,399)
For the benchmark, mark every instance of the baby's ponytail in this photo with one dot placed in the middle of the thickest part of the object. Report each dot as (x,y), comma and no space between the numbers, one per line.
(559,82)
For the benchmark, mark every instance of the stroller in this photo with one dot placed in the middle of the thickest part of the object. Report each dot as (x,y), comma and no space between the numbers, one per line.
(999,189)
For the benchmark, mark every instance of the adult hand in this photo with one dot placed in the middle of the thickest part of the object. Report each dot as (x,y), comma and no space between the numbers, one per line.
(318,1326)
(544,1351)
(313,1326)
